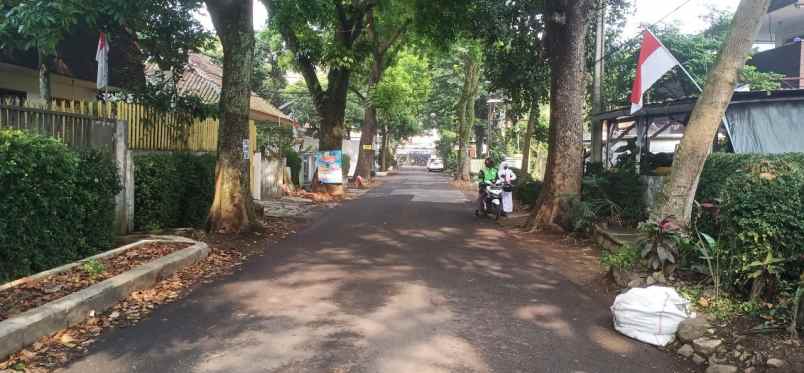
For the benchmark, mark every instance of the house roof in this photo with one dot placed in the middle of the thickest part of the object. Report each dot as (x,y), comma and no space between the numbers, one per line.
(204,79)
(686,104)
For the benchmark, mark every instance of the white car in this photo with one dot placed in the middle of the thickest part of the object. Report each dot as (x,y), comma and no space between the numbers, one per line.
(435,164)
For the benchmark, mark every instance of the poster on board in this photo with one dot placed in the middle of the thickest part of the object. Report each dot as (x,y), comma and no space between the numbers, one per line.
(329,167)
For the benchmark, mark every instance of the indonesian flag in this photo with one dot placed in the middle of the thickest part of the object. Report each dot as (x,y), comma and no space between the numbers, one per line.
(654,61)
(102,56)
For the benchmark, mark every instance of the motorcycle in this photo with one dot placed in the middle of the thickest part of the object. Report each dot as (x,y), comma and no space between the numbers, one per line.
(492,200)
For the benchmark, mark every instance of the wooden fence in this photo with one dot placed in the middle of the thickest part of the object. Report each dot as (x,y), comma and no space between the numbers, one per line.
(148,129)
(76,130)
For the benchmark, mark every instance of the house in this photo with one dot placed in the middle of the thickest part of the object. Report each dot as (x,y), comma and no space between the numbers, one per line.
(783,29)
(755,122)
(73,69)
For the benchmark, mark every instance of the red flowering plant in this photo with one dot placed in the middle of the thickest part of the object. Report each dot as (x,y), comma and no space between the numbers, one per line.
(660,247)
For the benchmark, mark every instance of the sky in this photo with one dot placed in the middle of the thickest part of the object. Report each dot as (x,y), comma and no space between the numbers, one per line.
(688,16)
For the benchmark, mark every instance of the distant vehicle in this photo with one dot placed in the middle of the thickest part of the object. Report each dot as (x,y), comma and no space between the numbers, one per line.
(435,164)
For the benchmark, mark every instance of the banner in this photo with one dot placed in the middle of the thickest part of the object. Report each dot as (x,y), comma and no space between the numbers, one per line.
(329,167)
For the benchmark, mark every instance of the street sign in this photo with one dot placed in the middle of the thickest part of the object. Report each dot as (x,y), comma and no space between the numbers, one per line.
(246,152)
(368,147)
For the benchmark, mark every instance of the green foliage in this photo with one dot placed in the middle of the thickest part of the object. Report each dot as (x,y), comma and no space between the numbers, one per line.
(294,161)
(173,190)
(274,138)
(93,268)
(697,52)
(762,221)
(527,189)
(625,258)
(58,205)
(661,248)
(616,195)
(400,96)
(166,30)
(581,215)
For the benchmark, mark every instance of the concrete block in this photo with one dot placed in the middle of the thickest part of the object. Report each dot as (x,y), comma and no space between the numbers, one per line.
(25,329)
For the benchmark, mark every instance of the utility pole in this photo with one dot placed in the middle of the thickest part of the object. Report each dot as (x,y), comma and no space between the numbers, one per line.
(597,85)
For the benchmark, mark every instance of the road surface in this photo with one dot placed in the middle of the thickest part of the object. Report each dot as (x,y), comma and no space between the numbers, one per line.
(404,279)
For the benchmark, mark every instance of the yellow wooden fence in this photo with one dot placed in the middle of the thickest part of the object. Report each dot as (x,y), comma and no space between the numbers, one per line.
(150,129)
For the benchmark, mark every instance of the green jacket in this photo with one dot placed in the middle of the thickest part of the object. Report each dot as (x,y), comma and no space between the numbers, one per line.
(488,175)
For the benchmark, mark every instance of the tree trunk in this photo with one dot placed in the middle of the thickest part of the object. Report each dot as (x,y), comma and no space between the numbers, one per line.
(232,208)
(533,120)
(365,158)
(566,27)
(384,153)
(708,112)
(466,115)
(44,79)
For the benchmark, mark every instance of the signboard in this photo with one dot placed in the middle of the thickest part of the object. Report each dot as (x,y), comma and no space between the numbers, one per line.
(246,152)
(329,167)
(368,147)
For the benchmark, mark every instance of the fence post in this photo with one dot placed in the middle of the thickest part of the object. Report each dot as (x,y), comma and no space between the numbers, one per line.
(124,201)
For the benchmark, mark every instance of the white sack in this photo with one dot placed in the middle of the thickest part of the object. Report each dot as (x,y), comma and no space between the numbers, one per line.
(650,315)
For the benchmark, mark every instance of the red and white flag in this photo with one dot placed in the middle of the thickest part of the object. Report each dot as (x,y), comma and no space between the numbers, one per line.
(654,61)
(102,56)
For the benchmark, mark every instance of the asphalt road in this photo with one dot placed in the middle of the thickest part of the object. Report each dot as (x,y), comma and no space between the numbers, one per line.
(404,279)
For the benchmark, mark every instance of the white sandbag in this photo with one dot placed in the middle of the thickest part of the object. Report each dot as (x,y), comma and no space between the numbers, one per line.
(650,315)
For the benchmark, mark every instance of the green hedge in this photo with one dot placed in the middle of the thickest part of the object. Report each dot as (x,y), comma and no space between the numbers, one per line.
(760,219)
(720,167)
(57,204)
(172,190)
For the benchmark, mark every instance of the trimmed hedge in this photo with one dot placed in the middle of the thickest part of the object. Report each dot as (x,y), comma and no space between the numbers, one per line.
(172,190)
(720,167)
(57,204)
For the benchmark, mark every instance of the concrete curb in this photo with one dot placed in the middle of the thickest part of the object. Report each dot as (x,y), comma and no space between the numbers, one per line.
(24,329)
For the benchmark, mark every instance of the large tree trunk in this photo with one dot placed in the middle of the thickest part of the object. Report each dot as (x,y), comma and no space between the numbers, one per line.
(466,115)
(708,112)
(566,26)
(44,79)
(232,209)
(533,120)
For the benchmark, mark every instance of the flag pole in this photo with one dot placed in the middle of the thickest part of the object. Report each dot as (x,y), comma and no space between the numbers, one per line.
(724,120)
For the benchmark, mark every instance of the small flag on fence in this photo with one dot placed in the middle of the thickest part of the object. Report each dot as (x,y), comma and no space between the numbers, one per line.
(654,61)
(102,56)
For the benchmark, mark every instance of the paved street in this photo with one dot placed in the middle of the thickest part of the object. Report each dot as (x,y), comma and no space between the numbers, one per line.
(403,279)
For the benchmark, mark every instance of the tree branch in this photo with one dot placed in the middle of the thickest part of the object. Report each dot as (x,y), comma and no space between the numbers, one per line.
(354,90)
(306,66)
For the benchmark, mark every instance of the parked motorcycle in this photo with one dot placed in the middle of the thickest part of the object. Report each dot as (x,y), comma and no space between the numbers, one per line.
(492,200)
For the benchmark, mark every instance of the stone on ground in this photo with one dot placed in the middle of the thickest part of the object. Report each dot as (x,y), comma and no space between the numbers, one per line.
(775,363)
(692,329)
(706,346)
(721,369)
(686,351)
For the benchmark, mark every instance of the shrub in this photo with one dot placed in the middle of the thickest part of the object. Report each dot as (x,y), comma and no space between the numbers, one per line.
(172,190)
(581,215)
(58,204)
(527,189)
(294,161)
(625,258)
(616,194)
(762,222)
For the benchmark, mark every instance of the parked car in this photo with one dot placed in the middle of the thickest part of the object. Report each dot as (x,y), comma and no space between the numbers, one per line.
(435,164)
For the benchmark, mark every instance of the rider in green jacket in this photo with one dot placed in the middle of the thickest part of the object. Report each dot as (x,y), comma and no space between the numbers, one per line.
(488,175)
